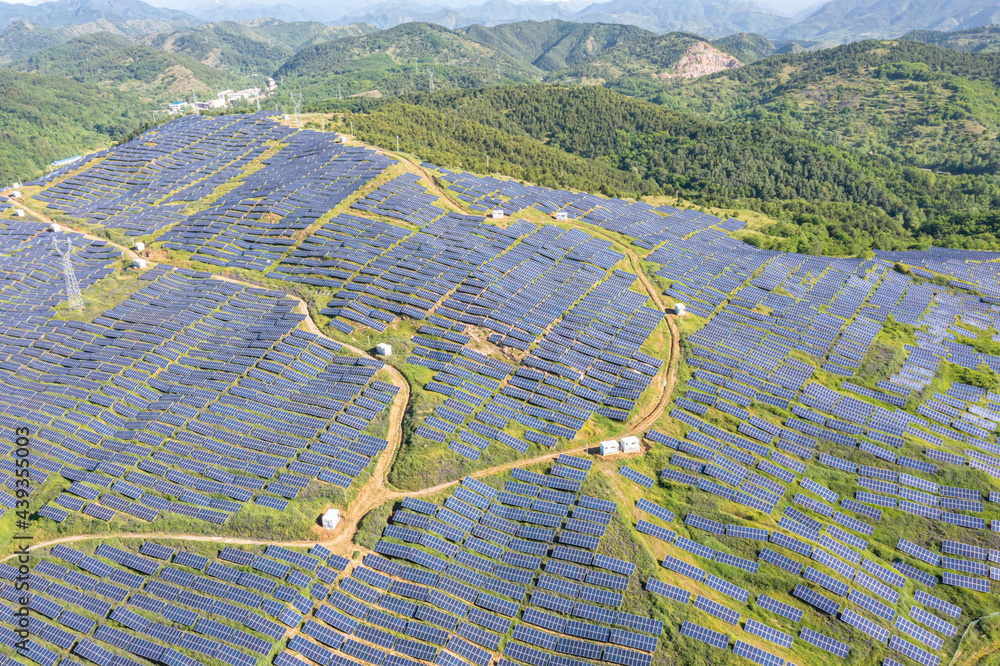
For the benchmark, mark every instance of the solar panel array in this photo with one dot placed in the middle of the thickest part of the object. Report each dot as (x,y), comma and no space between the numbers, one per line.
(178,406)
(191,389)
(172,602)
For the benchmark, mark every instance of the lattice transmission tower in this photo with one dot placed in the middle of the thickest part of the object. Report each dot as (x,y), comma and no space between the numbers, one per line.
(69,275)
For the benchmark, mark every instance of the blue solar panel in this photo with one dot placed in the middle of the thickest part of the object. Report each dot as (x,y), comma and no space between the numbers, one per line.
(699,633)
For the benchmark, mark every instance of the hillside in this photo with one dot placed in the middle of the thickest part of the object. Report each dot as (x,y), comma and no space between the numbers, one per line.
(919,105)
(253,48)
(747,46)
(44,119)
(597,52)
(652,58)
(985,39)
(398,60)
(25,29)
(114,61)
(829,201)
(553,45)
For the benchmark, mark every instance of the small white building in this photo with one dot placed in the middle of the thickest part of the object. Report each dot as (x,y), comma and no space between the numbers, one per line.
(679,309)
(19,212)
(631,444)
(562,215)
(139,246)
(15,194)
(56,227)
(383,349)
(217,103)
(609,448)
(498,214)
(139,263)
(331,519)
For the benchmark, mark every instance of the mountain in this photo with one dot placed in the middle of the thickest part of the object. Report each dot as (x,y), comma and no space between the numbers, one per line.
(490,13)
(985,39)
(554,45)
(47,118)
(747,46)
(28,28)
(840,21)
(919,105)
(402,58)
(133,17)
(711,18)
(650,59)
(251,48)
(112,61)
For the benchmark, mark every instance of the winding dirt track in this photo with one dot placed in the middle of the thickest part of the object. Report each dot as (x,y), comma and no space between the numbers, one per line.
(375,491)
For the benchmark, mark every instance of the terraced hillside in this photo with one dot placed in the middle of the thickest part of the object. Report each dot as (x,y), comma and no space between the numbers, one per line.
(819,472)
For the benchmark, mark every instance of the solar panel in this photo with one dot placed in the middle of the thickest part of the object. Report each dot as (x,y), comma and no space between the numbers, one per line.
(756,655)
(635,476)
(824,642)
(782,609)
(717,609)
(915,653)
(864,624)
(676,593)
(700,633)
(937,604)
(768,633)
(816,599)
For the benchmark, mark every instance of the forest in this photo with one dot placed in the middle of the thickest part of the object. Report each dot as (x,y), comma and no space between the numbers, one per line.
(826,200)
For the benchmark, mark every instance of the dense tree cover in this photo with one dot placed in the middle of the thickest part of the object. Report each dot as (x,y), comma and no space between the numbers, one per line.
(111,59)
(747,46)
(984,39)
(252,48)
(647,57)
(20,38)
(44,119)
(919,105)
(827,200)
(555,45)
(396,60)
(449,139)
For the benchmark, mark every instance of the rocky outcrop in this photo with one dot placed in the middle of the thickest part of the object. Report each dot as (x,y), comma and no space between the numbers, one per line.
(699,60)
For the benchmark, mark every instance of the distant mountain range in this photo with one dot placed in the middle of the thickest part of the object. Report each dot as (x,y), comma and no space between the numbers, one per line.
(841,21)
(60,13)
(834,22)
